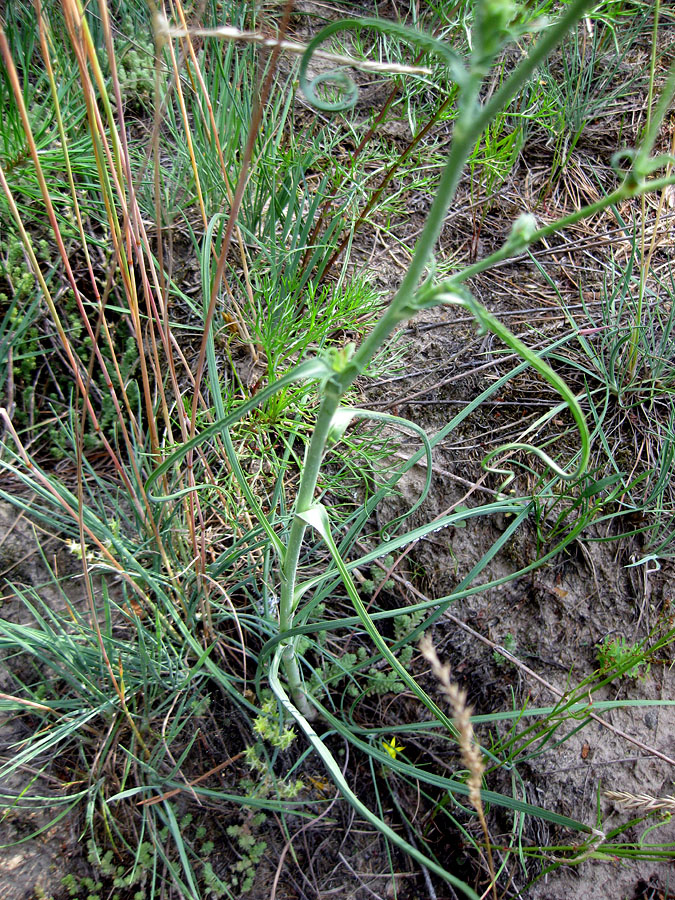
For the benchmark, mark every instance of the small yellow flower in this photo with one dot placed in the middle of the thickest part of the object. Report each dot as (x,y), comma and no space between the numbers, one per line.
(392,747)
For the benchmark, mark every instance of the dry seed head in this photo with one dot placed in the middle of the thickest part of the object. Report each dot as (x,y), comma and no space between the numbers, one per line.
(642,801)
(462,718)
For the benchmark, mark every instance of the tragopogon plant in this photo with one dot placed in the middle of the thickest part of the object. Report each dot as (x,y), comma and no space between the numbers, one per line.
(490,33)
(169,574)
(494,25)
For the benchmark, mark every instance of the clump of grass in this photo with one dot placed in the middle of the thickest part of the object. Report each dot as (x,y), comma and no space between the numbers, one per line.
(218,548)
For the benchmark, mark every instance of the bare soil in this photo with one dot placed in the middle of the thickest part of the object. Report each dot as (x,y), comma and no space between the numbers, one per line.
(34,854)
(553,618)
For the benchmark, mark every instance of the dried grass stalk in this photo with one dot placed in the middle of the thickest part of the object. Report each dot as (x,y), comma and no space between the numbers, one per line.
(462,718)
(461,714)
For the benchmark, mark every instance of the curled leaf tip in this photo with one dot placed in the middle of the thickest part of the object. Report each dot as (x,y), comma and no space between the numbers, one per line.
(335,91)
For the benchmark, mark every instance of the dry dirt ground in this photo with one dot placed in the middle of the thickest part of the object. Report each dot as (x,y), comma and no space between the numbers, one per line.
(32,860)
(553,618)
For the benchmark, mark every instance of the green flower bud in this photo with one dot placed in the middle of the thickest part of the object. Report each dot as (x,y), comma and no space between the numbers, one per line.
(496,15)
(493,18)
(522,231)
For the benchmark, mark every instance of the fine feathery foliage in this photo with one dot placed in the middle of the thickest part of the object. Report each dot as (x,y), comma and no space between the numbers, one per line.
(183,332)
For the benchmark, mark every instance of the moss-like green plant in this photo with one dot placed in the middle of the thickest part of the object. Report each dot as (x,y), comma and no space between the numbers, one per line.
(510,645)
(267,726)
(616,653)
(136,65)
(252,849)
(265,784)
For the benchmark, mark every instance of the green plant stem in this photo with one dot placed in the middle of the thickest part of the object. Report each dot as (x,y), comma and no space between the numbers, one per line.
(635,333)
(289,569)
(472,121)
(334,770)
(627,190)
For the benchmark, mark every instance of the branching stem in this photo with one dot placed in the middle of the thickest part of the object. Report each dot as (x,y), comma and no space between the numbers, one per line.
(471,122)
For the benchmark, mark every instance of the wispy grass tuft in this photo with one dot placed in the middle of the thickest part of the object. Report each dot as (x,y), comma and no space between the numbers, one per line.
(183,371)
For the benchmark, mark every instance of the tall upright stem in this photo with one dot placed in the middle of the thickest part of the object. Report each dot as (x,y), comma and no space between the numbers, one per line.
(645,257)
(471,122)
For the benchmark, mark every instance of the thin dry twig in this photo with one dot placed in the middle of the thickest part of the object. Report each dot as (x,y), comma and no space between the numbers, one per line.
(228,33)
